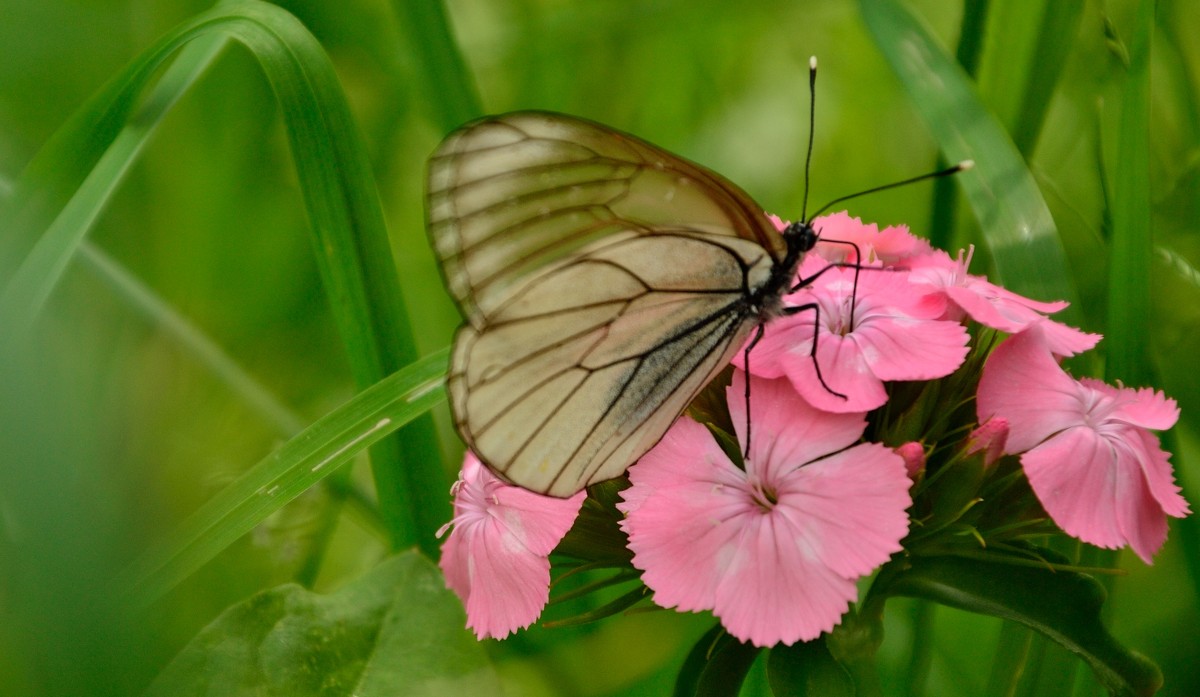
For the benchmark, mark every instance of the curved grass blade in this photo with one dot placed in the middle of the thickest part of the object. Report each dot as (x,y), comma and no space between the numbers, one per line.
(67,185)
(1003,195)
(301,462)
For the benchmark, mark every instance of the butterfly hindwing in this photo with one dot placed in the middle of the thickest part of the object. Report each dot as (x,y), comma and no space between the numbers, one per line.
(571,381)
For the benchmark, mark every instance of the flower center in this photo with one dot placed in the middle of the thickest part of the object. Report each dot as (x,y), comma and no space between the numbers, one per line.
(763,494)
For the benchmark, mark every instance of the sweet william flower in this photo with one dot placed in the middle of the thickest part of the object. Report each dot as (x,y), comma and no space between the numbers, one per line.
(913,454)
(839,234)
(991,305)
(774,550)
(893,335)
(1086,447)
(989,439)
(496,558)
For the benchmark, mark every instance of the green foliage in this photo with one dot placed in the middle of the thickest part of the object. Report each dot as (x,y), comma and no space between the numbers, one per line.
(1061,604)
(393,631)
(165,325)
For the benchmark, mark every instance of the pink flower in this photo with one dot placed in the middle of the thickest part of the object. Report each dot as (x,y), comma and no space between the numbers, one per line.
(892,245)
(496,559)
(894,335)
(990,439)
(774,551)
(991,305)
(913,454)
(887,246)
(1088,451)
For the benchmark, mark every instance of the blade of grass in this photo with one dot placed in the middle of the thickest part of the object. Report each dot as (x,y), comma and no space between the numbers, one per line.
(298,464)
(67,185)
(354,257)
(1131,245)
(945,191)
(199,345)
(286,422)
(1056,37)
(447,83)
(1132,250)
(72,177)
(1002,193)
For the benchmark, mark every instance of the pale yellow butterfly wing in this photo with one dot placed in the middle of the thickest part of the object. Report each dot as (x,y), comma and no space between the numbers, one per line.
(604,282)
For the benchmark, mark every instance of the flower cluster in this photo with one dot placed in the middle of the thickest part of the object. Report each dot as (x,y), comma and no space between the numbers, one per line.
(854,397)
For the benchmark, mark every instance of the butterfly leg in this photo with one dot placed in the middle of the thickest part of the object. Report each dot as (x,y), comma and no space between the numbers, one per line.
(816,310)
(760,330)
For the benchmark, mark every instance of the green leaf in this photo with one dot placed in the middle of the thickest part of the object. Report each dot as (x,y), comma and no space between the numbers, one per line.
(395,631)
(807,669)
(301,462)
(1064,606)
(1003,195)
(716,666)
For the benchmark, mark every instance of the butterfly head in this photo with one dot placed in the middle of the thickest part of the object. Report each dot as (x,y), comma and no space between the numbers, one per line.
(800,237)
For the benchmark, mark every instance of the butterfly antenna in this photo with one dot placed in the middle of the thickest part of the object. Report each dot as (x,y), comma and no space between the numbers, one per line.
(960,167)
(812,114)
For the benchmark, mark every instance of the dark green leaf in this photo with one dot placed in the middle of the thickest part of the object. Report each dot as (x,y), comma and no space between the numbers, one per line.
(1065,606)
(716,666)
(394,631)
(807,669)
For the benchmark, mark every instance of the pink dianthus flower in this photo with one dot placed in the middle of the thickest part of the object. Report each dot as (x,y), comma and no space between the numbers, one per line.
(893,335)
(1086,446)
(497,557)
(992,305)
(773,550)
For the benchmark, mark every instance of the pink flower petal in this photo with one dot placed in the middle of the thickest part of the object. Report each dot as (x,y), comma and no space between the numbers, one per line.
(1023,384)
(773,551)
(850,539)
(674,509)
(889,245)
(901,348)
(994,306)
(1098,472)
(770,593)
(845,370)
(503,590)
(1143,407)
(1156,468)
(1073,476)
(496,558)
(786,429)
(893,335)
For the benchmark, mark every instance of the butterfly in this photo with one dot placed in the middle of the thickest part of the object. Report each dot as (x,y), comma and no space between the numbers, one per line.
(604,282)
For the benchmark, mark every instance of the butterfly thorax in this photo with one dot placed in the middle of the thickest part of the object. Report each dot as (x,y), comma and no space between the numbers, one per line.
(800,238)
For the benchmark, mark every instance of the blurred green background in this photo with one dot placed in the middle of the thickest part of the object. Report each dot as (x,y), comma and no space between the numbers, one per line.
(113,433)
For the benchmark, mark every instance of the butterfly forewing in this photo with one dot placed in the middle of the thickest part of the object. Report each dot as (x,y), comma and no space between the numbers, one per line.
(604,282)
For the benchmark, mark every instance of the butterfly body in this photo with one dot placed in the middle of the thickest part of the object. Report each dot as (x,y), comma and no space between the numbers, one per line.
(603,282)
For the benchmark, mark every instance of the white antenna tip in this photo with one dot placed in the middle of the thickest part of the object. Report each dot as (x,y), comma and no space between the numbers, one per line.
(812,62)
(966,165)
